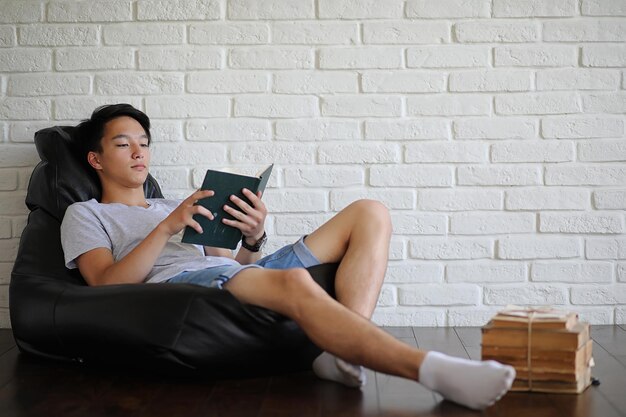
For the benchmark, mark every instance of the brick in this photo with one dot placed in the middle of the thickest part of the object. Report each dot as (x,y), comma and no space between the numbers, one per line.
(490,81)
(361,106)
(5,272)
(275,106)
(495,128)
(317,33)
(534,8)
(168,154)
(599,316)
(48,84)
(216,33)
(366,153)
(621,272)
(24,132)
(448,56)
(228,130)
(491,223)
(12,204)
(396,250)
(7,36)
(166,130)
(8,249)
(405,32)
(604,56)
(414,273)
(300,224)
(411,176)
(470,316)
(24,11)
(189,58)
(609,199)
(532,151)
(447,151)
(602,150)
(603,8)
(528,294)
(139,83)
(8,180)
(419,224)
(24,109)
(5,229)
(187,106)
(538,247)
(338,176)
(360,9)
(447,8)
(605,102)
(598,295)
(143,34)
(171,177)
(451,248)
(438,294)
(499,175)
(579,175)
(392,199)
(582,128)
(546,198)
(539,103)
(317,129)
(581,223)
(271,9)
(496,31)
(77,108)
(589,30)
(19,223)
(572,272)
(25,60)
(295,201)
(536,56)
(280,153)
(360,57)
(400,317)
(271,58)
(406,129)
(459,200)
(604,248)
(101,58)
(58,35)
(573,79)
(403,82)
(91,11)
(458,272)
(178,9)
(311,82)
(449,105)
(228,82)
(388,297)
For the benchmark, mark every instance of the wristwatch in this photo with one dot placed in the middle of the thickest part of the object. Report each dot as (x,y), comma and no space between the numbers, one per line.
(257,246)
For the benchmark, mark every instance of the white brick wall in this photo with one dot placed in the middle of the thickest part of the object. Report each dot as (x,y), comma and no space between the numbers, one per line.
(493,130)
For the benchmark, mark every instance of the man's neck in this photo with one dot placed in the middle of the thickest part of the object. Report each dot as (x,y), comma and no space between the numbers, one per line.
(127,196)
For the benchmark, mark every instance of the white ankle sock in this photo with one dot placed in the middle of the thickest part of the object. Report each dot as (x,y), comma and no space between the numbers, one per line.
(474,384)
(327,366)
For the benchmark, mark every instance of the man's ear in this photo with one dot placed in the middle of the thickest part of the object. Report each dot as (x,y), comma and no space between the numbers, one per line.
(94,161)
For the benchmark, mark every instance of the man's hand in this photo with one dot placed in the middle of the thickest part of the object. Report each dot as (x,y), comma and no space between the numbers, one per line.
(183,214)
(252,221)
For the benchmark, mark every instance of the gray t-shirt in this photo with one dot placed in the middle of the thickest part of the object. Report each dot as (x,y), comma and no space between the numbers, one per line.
(120,228)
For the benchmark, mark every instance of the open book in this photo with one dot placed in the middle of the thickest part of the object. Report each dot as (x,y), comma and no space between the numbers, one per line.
(224,184)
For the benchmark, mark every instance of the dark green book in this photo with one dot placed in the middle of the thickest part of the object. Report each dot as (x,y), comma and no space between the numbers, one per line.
(224,184)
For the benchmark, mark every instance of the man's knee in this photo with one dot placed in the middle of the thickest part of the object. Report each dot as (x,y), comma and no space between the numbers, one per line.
(374,212)
(300,287)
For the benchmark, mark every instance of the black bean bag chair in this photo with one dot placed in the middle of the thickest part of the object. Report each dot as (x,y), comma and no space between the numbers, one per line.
(180,329)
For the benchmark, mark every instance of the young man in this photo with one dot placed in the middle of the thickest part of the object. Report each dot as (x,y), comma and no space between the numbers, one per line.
(125,238)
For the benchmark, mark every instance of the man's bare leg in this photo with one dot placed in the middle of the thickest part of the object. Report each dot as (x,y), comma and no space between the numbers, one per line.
(294,294)
(358,238)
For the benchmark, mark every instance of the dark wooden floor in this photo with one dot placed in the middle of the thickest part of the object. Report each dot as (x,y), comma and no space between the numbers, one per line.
(30,387)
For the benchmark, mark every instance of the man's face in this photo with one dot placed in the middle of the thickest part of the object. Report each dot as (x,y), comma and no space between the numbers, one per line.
(125,156)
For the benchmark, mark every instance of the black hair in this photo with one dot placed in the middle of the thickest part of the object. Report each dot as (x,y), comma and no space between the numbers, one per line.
(88,134)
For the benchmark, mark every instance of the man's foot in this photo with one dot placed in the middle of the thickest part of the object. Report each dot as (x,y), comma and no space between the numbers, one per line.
(474,384)
(327,366)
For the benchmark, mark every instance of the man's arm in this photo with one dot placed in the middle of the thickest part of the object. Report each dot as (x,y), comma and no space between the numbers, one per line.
(98,267)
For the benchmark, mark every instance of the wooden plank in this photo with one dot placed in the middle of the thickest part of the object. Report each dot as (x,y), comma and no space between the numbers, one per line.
(612,376)
(611,338)
(237,398)
(297,394)
(400,332)
(181,397)
(470,337)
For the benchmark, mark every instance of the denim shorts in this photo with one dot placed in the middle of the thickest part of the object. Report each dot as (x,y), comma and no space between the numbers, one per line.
(295,255)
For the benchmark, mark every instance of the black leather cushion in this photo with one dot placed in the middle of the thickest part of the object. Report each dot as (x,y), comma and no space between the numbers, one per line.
(175,329)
